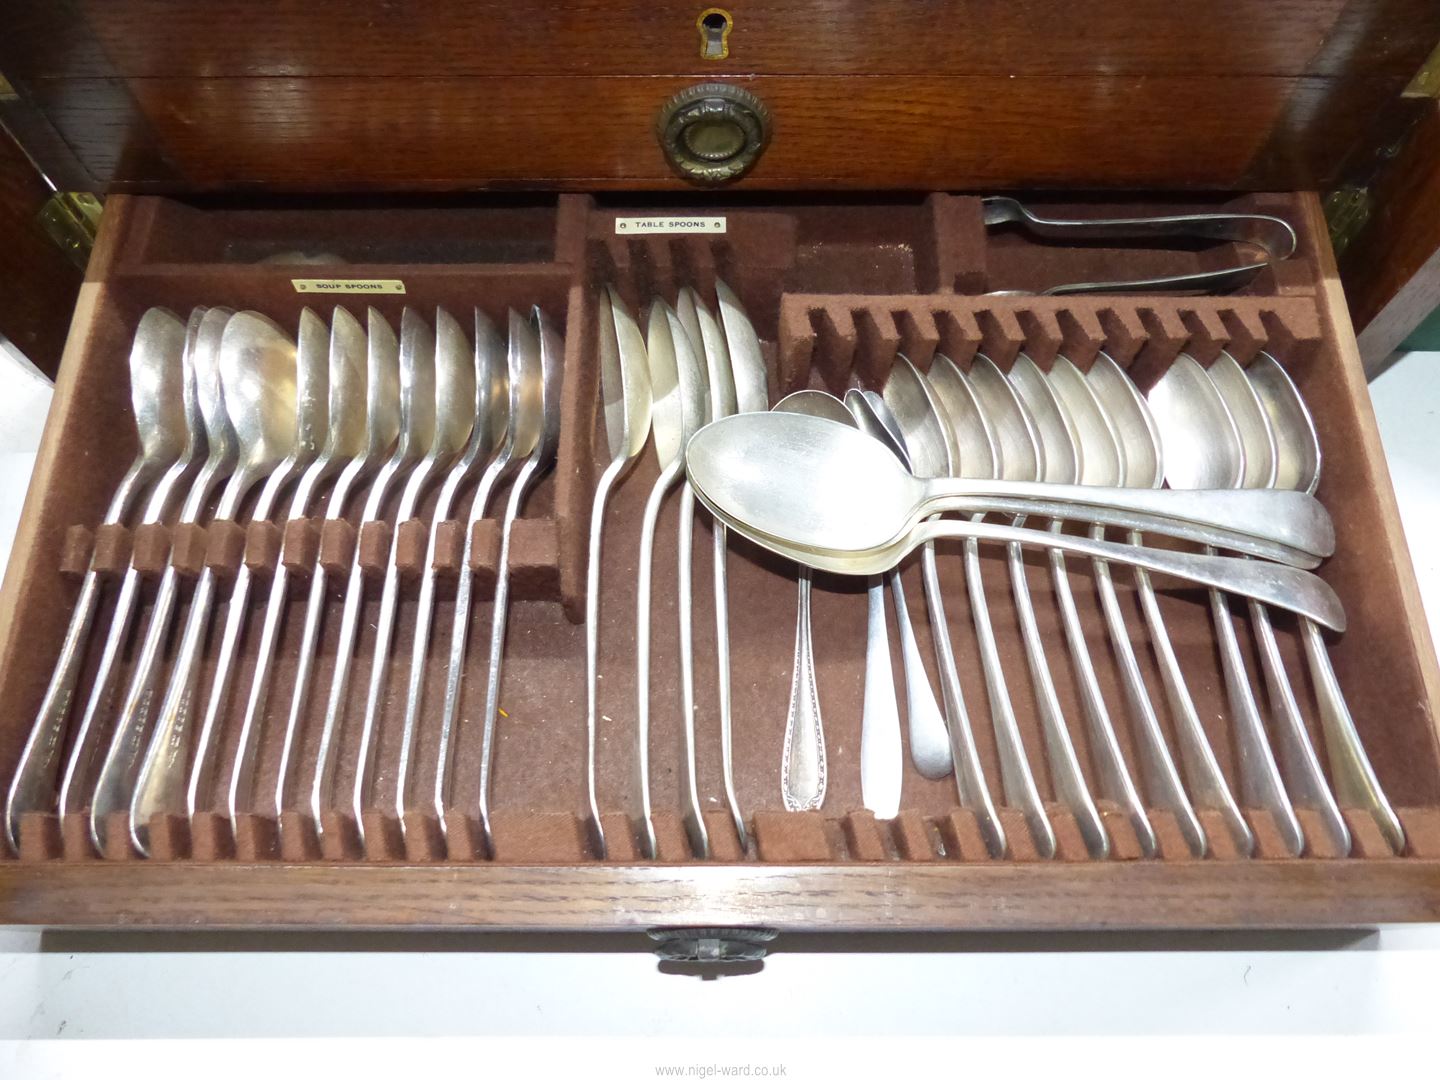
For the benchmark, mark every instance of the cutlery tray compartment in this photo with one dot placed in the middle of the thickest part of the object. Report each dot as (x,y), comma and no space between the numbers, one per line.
(836,291)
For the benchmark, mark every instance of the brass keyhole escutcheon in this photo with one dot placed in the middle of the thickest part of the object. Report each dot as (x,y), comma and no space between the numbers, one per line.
(714,132)
(714,25)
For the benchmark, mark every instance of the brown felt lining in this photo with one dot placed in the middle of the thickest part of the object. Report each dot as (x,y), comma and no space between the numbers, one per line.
(836,291)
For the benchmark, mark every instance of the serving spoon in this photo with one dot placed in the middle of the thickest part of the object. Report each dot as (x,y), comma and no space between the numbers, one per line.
(344,437)
(158,400)
(1203,449)
(535,409)
(487,438)
(931,435)
(626,402)
(417,433)
(680,406)
(727,457)
(1143,460)
(257,378)
(1298,466)
(451,419)
(162,777)
(382,426)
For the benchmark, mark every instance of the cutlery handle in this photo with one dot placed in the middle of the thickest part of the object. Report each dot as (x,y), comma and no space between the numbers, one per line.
(1069,781)
(1297,751)
(499,619)
(592,644)
(1290,519)
(970,786)
(802,773)
(1355,777)
(300,694)
(375,693)
(415,682)
(242,771)
(1274,234)
(694,817)
(930,747)
(1260,783)
(127,741)
(35,774)
(1116,783)
(722,681)
(321,780)
(882,763)
(1017,779)
(1280,586)
(644,575)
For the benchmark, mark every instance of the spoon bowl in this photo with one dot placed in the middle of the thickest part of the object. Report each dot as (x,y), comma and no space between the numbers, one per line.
(257,372)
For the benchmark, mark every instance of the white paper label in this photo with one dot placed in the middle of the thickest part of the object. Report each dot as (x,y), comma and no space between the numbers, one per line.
(684,223)
(348,285)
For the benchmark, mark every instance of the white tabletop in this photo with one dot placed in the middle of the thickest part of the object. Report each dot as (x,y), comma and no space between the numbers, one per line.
(352,996)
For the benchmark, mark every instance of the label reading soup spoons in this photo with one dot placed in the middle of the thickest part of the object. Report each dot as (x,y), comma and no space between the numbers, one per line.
(682,223)
(348,285)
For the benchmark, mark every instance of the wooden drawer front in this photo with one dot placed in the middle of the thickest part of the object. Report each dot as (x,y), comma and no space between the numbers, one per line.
(142,95)
(837,291)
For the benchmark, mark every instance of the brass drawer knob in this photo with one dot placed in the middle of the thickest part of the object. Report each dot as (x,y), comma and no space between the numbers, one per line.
(713,132)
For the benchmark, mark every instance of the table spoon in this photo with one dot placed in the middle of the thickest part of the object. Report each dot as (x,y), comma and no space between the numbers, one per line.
(417,433)
(344,441)
(487,437)
(626,402)
(1143,462)
(680,406)
(535,409)
(257,378)
(453,418)
(1298,466)
(158,399)
(799,451)
(1203,449)
(382,427)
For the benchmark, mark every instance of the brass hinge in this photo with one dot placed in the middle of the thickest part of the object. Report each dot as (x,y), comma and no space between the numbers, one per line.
(71,219)
(1347,209)
(1426,83)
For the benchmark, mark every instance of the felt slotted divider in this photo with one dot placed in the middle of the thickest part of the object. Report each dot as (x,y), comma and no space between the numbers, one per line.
(836,291)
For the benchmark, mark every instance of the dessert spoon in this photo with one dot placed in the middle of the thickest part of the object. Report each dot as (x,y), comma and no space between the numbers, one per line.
(1298,466)
(535,412)
(158,398)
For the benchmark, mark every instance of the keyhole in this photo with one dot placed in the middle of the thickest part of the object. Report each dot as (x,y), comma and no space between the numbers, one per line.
(714,25)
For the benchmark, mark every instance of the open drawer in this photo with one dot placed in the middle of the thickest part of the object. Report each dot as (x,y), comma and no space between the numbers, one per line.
(837,291)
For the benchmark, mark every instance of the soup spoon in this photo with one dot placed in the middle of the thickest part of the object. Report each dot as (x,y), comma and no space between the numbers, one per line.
(876,419)
(417,433)
(158,399)
(1203,449)
(931,434)
(382,426)
(162,776)
(626,402)
(487,436)
(794,453)
(344,441)
(1298,466)
(535,409)
(1143,463)
(506,460)
(257,377)
(452,418)
(680,406)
